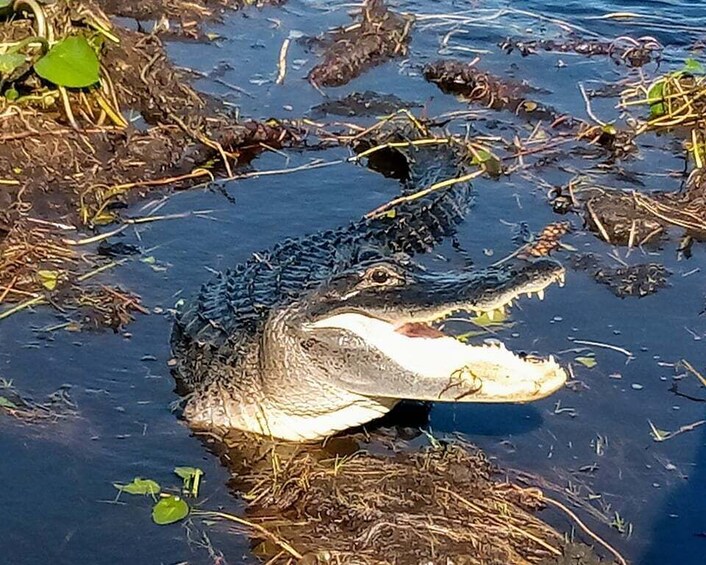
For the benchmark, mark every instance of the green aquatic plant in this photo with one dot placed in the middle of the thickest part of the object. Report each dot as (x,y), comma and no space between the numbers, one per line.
(168,508)
(72,62)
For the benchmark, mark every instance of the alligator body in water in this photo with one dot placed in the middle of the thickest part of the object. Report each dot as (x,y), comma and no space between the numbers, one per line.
(331,330)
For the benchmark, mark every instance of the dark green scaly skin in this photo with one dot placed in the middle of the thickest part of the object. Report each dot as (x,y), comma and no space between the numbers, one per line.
(226,318)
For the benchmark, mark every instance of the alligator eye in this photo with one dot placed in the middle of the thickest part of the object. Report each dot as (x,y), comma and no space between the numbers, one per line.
(379,276)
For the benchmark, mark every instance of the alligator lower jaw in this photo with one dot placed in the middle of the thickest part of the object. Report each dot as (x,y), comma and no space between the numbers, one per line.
(441,368)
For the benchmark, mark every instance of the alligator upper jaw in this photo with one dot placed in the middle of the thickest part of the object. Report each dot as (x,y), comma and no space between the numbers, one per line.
(437,367)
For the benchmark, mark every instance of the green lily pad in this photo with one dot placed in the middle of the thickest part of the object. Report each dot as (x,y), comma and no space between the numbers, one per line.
(169,509)
(12,94)
(10,61)
(71,62)
(139,486)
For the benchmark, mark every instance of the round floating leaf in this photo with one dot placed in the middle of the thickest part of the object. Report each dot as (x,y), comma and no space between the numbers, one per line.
(169,509)
(72,62)
(139,486)
(9,62)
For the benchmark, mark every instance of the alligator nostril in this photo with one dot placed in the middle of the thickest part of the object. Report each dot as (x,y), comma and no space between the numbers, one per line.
(522,354)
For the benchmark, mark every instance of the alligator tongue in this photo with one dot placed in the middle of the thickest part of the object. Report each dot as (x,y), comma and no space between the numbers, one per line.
(418,329)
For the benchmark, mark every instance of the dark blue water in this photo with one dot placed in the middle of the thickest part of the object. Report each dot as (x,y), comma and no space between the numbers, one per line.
(57,494)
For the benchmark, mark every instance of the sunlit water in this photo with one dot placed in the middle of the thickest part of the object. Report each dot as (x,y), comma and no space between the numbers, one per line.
(57,497)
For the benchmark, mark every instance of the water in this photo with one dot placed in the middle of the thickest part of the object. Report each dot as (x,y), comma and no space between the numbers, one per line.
(57,496)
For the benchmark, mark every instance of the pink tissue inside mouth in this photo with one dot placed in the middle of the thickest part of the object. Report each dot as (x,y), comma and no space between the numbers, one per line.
(418,329)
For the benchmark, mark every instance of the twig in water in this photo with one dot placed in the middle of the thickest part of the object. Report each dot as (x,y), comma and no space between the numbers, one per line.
(691,368)
(589,111)
(257,527)
(605,346)
(662,435)
(282,66)
(585,528)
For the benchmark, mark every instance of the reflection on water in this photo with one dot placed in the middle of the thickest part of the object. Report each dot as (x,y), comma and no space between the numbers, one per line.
(594,435)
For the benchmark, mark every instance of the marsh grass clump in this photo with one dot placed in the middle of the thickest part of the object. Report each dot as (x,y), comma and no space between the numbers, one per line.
(93,118)
(635,218)
(57,406)
(380,35)
(672,100)
(342,503)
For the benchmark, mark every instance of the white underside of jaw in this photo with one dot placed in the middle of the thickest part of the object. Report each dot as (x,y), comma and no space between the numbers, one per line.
(271,421)
(453,371)
(281,420)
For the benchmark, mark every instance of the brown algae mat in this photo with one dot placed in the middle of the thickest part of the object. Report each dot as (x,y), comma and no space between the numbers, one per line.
(380,35)
(342,503)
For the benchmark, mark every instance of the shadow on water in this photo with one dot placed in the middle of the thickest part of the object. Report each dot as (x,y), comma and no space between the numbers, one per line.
(489,419)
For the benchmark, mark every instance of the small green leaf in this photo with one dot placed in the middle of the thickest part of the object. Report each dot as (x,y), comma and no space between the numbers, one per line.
(188,473)
(191,477)
(488,161)
(610,129)
(657,434)
(169,509)
(139,486)
(71,62)
(655,97)
(588,362)
(49,279)
(693,67)
(7,403)
(11,94)
(10,61)
(481,156)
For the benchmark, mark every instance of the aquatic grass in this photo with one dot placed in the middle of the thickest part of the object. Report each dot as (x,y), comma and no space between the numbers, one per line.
(440,500)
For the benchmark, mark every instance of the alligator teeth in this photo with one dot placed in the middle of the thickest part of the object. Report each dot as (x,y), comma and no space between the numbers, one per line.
(529,295)
(561,279)
(540,293)
(491,315)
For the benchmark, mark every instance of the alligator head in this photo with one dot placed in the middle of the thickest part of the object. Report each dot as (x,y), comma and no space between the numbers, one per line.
(351,347)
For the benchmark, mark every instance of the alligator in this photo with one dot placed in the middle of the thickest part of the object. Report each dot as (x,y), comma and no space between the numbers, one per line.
(331,330)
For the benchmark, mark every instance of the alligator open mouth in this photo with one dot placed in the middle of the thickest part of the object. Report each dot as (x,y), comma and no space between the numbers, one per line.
(442,368)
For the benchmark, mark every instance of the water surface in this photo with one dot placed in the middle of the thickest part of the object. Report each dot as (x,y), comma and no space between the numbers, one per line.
(57,496)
